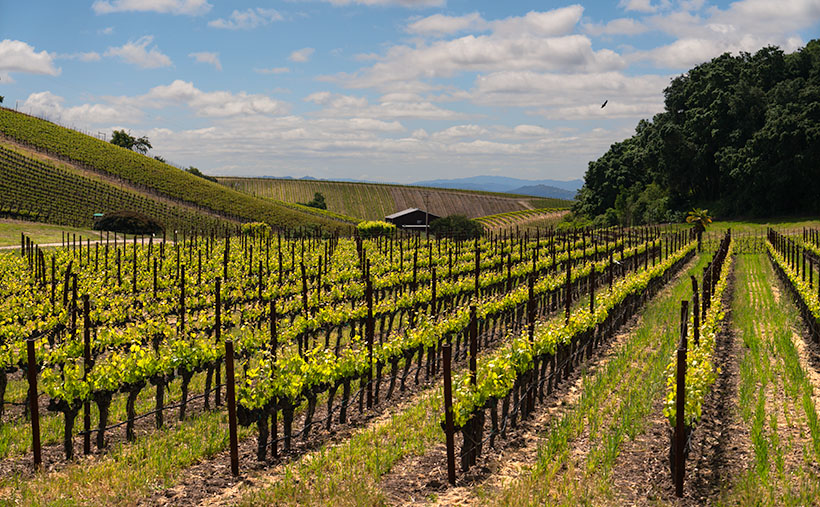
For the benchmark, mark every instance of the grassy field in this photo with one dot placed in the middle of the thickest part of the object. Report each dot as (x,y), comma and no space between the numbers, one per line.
(40,233)
(371,201)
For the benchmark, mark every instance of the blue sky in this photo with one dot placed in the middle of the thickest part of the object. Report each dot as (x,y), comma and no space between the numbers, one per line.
(384,90)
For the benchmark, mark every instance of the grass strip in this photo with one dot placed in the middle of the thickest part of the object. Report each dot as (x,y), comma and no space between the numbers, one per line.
(634,377)
(775,396)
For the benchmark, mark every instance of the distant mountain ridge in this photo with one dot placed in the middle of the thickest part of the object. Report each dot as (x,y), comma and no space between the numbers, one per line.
(545,191)
(540,188)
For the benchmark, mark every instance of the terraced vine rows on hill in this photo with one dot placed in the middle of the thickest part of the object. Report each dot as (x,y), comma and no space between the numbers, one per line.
(41,191)
(371,201)
(149,174)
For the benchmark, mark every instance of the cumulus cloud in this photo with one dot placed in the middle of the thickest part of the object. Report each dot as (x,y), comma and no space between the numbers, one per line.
(301,55)
(620,26)
(209,104)
(440,24)
(247,19)
(50,106)
(444,59)
(746,25)
(209,58)
(187,7)
(573,96)
(459,132)
(537,41)
(137,53)
(17,56)
(638,5)
(384,3)
(390,106)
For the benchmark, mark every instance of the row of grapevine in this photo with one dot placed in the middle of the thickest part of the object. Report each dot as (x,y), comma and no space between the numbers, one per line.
(790,257)
(545,354)
(49,194)
(692,371)
(149,323)
(152,175)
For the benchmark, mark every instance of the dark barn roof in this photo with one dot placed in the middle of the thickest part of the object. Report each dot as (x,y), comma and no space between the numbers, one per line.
(411,218)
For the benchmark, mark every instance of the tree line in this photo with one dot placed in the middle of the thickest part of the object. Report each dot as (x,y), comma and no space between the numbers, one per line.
(739,135)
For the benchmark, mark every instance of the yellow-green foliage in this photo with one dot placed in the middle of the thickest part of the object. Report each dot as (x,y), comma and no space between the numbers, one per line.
(375,228)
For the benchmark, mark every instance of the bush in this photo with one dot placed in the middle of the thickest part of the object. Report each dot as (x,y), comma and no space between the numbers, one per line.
(317,202)
(456,226)
(129,222)
(375,228)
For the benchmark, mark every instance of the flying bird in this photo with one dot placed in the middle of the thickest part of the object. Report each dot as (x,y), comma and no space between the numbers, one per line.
(604,104)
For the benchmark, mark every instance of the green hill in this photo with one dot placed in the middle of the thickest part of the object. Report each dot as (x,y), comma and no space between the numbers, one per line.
(147,173)
(42,191)
(374,201)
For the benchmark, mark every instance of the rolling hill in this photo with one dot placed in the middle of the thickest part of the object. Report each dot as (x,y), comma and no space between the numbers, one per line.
(374,201)
(147,174)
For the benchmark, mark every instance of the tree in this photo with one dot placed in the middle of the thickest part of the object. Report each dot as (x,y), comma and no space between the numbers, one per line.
(739,135)
(456,226)
(317,202)
(1,99)
(129,222)
(160,159)
(129,142)
(700,218)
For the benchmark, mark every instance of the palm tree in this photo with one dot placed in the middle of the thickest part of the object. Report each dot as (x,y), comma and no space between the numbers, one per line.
(700,218)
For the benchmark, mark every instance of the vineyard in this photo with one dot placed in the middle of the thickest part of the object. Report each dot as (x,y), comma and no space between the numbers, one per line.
(257,350)
(305,317)
(43,192)
(372,201)
(149,175)
(543,217)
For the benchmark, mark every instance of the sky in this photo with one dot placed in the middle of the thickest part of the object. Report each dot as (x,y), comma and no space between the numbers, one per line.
(379,90)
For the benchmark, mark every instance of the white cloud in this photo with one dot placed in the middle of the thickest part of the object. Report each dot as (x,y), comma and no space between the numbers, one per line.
(106,31)
(301,55)
(440,24)
(273,70)
(536,41)
(459,132)
(187,7)
(247,19)
(137,53)
(390,106)
(384,3)
(209,104)
(50,106)
(746,25)
(17,56)
(638,5)
(531,131)
(542,24)
(403,64)
(620,26)
(91,56)
(209,58)
(574,96)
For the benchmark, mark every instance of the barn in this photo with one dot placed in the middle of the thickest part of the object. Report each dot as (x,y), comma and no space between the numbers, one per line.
(411,219)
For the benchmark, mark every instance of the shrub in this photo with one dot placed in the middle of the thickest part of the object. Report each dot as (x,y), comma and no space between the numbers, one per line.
(129,222)
(375,228)
(456,226)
